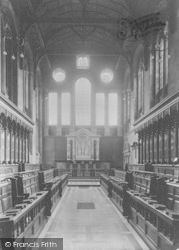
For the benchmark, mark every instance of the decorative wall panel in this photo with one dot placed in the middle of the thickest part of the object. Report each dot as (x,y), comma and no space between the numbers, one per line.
(83,145)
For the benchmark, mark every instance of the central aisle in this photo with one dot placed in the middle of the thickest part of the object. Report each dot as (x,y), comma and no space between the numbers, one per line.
(86,219)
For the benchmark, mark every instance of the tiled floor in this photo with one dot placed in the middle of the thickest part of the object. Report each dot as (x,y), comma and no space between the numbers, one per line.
(97,227)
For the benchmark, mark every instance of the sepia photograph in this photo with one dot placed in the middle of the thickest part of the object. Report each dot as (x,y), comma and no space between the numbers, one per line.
(89,124)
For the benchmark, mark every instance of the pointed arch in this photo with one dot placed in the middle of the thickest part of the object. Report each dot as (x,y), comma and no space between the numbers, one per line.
(83,102)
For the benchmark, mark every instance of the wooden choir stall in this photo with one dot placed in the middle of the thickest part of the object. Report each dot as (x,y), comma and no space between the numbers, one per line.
(27,198)
(149,200)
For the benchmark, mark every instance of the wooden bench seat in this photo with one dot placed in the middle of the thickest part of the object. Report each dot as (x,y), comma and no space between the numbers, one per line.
(54,184)
(25,218)
(5,195)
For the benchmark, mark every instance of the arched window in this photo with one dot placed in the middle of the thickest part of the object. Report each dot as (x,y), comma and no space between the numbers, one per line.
(26,86)
(161,64)
(65,109)
(83,102)
(113,111)
(3,56)
(159,68)
(100,109)
(8,60)
(52,109)
(159,82)
(140,88)
(27,69)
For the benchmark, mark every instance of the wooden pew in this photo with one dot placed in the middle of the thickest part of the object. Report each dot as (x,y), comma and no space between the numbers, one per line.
(50,180)
(119,195)
(104,179)
(155,223)
(116,189)
(5,195)
(25,219)
(120,174)
(136,167)
(155,217)
(141,181)
(64,182)
(171,171)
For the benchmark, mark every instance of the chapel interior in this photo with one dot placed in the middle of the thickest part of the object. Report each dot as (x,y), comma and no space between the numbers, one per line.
(89,124)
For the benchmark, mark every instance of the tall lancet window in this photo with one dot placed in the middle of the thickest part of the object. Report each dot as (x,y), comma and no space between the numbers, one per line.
(26,86)
(113,111)
(100,109)
(160,63)
(140,89)
(52,109)
(83,102)
(65,111)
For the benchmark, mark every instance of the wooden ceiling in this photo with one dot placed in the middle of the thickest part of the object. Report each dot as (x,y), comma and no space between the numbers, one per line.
(70,27)
(75,26)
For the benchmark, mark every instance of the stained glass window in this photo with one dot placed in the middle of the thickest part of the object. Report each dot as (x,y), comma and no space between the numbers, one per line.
(113,102)
(100,109)
(52,108)
(83,102)
(65,109)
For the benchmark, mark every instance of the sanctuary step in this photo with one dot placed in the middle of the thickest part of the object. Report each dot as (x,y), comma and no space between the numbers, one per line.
(83,182)
(83,178)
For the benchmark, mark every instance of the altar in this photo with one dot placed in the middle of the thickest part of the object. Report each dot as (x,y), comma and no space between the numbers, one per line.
(83,168)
